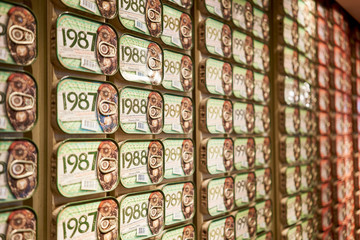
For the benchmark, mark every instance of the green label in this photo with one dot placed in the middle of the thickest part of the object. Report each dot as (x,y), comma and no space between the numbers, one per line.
(218,79)
(178,114)
(294,232)
(141,163)
(242,48)
(303,67)
(291,91)
(139,212)
(185,4)
(289,59)
(219,8)
(262,119)
(260,3)
(8,230)
(292,214)
(261,24)
(244,188)
(263,151)
(179,202)
(141,111)
(264,213)
(179,158)
(243,219)
(290,29)
(178,72)
(22,48)
(216,194)
(306,204)
(305,95)
(218,38)
(291,120)
(303,39)
(216,150)
(241,13)
(18,102)
(261,52)
(243,83)
(302,12)
(86,220)
(260,183)
(243,117)
(107,10)
(177,29)
(244,149)
(144,16)
(288,6)
(218,228)
(15,186)
(185,232)
(140,60)
(87,107)
(292,143)
(86,46)
(214,116)
(262,87)
(306,177)
(293,179)
(87,167)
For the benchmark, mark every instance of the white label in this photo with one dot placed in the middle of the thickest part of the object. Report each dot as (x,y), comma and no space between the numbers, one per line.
(220,167)
(3,193)
(218,11)
(176,84)
(219,128)
(91,6)
(176,127)
(2,123)
(219,50)
(89,185)
(176,41)
(140,126)
(3,54)
(219,89)
(89,125)
(89,64)
(177,216)
(141,178)
(177,171)
(141,231)
(139,25)
(221,208)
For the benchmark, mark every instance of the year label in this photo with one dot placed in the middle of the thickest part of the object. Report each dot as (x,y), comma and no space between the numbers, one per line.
(77,226)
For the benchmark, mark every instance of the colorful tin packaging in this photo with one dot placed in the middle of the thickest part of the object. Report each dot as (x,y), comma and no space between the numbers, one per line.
(141,215)
(177,29)
(18,223)
(141,111)
(18,101)
(141,163)
(140,60)
(178,114)
(142,16)
(106,9)
(86,107)
(92,219)
(19,170)
(18,35)
(86,45)
(178,72)
(86,167)
(179,202)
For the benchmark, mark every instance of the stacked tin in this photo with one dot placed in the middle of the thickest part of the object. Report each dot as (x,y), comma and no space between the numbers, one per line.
(295,104)
(122,120)
(233,92)
(341,124)
(19,155)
